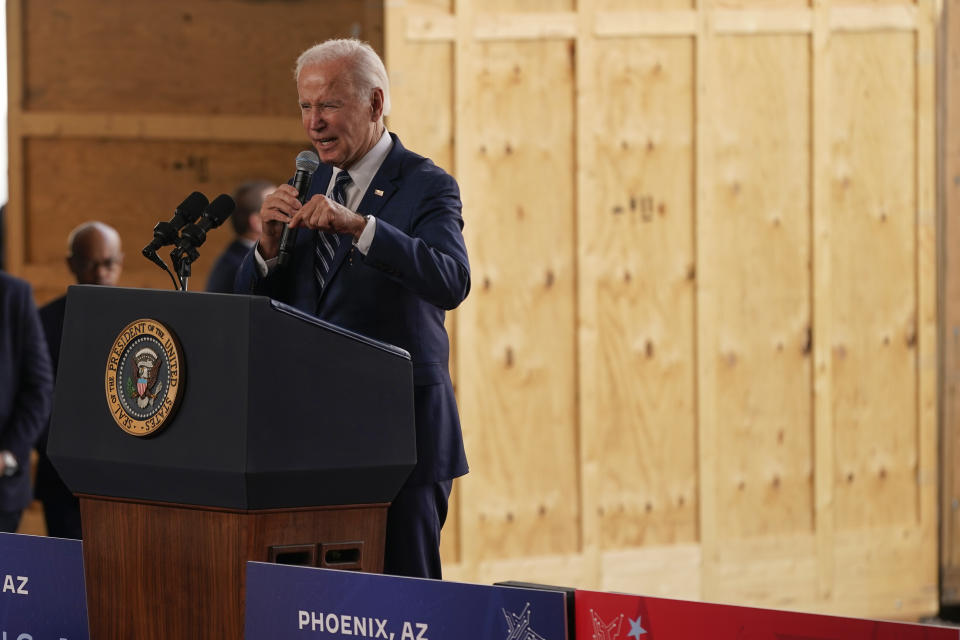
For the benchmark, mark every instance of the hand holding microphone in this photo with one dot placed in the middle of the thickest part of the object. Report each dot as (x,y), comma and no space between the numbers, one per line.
(307,163)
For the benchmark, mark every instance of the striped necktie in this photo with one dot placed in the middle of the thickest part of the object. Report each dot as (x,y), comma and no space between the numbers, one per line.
(326,243)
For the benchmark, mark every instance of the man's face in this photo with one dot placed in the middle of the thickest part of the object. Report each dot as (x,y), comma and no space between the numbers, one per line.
(96,259)
(341,125)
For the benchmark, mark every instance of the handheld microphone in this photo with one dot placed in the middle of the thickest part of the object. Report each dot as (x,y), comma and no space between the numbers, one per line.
(194,235)
(165,233)
(307,163)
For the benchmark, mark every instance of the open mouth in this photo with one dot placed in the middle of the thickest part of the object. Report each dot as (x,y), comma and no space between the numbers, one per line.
(326,142)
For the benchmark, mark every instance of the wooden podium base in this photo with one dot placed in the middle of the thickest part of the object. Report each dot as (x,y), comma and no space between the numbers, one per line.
(169,571)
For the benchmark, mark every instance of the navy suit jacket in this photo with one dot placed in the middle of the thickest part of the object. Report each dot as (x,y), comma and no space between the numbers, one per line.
(47,483)
(26,385)
(416,269)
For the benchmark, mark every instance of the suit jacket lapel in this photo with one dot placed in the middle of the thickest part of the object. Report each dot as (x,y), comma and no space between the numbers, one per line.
(381,188)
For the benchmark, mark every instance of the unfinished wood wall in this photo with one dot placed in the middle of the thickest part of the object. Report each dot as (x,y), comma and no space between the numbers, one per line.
(699,358)
(120,109)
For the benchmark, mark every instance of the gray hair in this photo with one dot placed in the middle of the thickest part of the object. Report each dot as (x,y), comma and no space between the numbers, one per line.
(366,66)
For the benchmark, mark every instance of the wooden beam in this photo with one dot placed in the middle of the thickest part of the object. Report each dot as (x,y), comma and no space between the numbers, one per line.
(873,18)
(666,23)
(620,24)
(927,352)
(431,27)
(755,22)
(161,127)
(526,26)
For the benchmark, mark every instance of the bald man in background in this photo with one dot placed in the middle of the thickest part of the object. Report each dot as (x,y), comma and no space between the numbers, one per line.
(94,256)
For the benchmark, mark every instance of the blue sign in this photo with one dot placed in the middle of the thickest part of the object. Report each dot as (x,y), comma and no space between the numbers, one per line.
(42,593)
(302,602)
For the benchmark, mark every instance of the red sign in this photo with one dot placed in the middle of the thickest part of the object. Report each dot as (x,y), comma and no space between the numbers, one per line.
(611,616)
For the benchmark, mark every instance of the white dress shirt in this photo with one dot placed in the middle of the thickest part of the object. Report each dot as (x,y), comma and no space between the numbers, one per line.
(361,175)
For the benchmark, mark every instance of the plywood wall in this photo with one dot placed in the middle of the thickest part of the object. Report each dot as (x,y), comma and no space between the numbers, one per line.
(699,358)
(118,110)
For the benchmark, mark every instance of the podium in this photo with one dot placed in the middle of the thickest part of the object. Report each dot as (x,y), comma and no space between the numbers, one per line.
(286,441)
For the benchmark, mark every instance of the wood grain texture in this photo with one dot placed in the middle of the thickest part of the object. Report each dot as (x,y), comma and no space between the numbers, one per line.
(730,109)
(636,291)
(154,179)
(179,57)
(754,4)
(524,6)
(822,316)
(929,432)
(516,331)
(950,402)
(643,5)
(873,268)
(757,223)
(169,571)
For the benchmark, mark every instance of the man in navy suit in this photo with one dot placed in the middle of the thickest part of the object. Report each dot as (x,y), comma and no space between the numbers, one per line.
(246,224)
(379,251)
(94,256)
(26,394)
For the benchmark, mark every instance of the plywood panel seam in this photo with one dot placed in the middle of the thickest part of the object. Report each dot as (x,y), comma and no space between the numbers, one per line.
(665,23)
(706,342)
(823,464)
(467,551)
(945,416)
(926,315)
(587,485)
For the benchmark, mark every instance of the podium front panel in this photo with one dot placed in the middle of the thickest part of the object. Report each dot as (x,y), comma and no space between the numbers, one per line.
(277,409)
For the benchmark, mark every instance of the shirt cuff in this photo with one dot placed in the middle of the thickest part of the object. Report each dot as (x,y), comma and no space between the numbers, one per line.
(366,236)
(264,267)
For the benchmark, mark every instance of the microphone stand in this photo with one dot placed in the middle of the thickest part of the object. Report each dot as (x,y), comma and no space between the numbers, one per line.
(184,264)
(152,256)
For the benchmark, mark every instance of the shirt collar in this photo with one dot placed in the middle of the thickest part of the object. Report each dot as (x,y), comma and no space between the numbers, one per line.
(366,168)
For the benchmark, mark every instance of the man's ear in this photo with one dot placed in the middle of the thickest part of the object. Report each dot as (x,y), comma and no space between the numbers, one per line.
(376,104)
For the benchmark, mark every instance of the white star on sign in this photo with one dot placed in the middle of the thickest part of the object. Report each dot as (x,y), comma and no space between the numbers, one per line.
(635,629)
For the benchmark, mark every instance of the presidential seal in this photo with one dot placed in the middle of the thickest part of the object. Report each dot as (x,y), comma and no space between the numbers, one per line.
(144,380)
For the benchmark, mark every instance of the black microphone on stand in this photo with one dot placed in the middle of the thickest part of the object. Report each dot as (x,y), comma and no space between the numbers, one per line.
(165,233)
(307,163)
(194,235)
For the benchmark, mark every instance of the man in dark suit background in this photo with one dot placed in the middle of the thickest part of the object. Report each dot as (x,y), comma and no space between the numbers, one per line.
(246,224)
(379,251)
(26,394)
(94,256)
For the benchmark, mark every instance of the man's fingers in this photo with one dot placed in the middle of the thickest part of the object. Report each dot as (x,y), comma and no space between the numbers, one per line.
(315,214)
